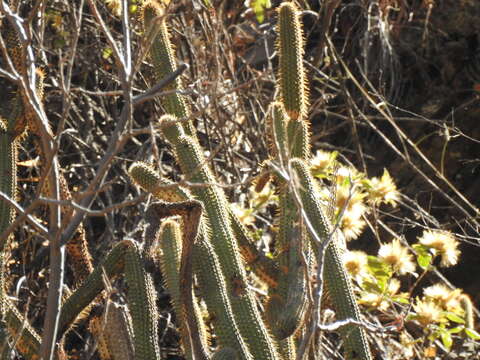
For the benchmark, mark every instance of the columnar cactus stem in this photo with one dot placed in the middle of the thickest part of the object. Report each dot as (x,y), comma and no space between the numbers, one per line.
(338,281)
(193,164)
(293,83)
(141,299)
(163,59)
(148,179)
(112,265)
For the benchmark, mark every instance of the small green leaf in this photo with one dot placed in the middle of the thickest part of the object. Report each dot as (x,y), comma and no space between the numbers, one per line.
(424,260)
(472,334)
(371,287)
(401,299)
(259,7)
(456,329)
(107,52)
(455,318)
(446,339)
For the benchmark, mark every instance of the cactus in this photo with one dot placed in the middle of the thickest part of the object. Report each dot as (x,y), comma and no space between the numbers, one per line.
(202,239)
(162,55)
(218,263)
(293,83)
(467,306)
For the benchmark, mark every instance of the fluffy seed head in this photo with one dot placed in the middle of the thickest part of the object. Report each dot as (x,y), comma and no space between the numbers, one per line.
(356,263)
(397,256)
(383,190)
(447,299)
(443,243)
(427,312)
(352,226)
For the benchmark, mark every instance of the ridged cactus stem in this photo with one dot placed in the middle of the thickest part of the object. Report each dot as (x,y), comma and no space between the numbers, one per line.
(193,164)
(277,132)
(298,133)
(168,253)
(8,183)
(141,299)
(163,59)
(8,186)
(112,265)
(27,340)
(214,290)
(116,329)
(337,279)
(191,212)
(147,178)
(293,83)
(287,302)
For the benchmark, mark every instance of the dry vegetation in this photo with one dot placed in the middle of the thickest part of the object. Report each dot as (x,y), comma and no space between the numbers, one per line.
(394,85)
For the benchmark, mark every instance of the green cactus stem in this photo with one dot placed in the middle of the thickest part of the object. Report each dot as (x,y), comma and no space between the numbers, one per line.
(163,59)
(337,279)
(193,164)
(293,83)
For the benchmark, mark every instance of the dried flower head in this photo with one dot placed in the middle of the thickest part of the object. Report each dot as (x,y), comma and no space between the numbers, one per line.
(443,243)
(446,298)
(356,264)
(259,200)
(393,286)
(397,256)
(383,190)
(350,201)
(321,162)
(343,173)
(427,312)
(376,301)
(352,226)
(115,6)
(244,215)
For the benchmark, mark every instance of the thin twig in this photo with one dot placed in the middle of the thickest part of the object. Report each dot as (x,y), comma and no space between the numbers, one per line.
(26,216)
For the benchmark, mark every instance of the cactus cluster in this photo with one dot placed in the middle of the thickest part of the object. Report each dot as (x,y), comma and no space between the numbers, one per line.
(202,240)
(223,251)
(194,235)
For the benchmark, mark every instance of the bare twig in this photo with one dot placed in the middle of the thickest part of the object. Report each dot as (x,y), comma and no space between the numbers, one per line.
(26,216)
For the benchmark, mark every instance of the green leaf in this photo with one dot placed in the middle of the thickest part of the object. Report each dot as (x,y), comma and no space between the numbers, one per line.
(259,7)
(456,329)
(378,268)
(424,257)
(424,261)
(472,334)
(371,287)
(455,318)
(107,52)
(446,338)
(401,299)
